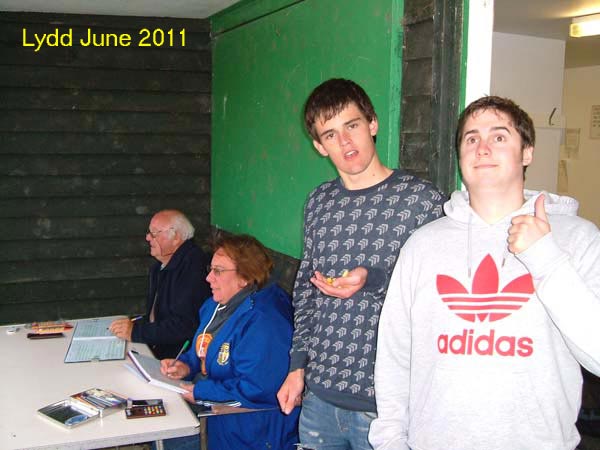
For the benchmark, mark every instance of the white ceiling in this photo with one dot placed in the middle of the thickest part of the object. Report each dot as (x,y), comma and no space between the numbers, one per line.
(542,18)
(197,9)
(550,19)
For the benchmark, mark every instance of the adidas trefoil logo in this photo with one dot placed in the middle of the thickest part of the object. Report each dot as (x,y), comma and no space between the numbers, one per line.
(485,301)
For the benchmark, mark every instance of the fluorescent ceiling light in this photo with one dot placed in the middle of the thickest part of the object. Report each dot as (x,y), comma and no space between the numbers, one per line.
(585,26)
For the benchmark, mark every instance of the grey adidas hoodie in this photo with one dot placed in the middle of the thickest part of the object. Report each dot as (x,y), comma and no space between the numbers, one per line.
(479,349)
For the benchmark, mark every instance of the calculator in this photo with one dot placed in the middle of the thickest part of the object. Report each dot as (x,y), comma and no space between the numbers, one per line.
(137,409)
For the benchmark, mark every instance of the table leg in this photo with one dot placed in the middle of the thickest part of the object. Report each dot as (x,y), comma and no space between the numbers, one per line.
(203,434)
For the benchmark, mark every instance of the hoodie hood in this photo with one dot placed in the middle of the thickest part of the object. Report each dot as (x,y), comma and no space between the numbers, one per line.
(459,209)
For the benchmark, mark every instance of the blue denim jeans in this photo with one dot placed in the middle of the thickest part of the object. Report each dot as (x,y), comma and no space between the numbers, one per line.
(327,427)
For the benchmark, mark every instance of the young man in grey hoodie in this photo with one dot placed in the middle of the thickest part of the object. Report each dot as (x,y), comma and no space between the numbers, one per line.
(491,310)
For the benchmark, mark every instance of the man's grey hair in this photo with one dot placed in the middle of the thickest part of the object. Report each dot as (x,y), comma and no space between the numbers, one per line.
(181,224)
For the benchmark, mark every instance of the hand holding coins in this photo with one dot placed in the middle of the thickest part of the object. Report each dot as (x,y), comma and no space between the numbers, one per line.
(330,280)
(345,286)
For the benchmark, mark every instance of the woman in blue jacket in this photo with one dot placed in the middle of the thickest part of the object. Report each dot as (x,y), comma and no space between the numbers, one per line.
(240,350)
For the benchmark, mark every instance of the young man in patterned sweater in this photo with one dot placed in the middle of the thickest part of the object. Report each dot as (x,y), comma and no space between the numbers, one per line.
(354,227)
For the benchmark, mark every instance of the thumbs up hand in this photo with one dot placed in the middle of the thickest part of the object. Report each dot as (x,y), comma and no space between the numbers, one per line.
(525,230)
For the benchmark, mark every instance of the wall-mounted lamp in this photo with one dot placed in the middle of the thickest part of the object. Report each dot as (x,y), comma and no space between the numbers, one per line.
(585,26)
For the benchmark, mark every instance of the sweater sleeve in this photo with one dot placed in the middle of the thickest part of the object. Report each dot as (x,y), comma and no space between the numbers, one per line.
(392,365)
(568,285)
(303,299)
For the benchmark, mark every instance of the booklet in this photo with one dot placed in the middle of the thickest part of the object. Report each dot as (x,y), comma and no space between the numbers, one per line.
(149,368)
(82,407)
(92,340)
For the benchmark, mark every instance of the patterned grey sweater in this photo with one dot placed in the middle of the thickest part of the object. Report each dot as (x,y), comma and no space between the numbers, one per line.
(335,339)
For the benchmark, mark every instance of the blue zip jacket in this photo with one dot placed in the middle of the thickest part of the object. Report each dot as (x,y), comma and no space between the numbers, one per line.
(247,361)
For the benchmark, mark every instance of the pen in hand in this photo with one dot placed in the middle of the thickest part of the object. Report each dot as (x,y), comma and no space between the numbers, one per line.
(185,345)
(133,319)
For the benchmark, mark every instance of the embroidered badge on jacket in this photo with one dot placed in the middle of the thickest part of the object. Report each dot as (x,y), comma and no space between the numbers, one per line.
(223,357)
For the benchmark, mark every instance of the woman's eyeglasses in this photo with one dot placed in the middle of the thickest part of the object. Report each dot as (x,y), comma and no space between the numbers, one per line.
(218,270)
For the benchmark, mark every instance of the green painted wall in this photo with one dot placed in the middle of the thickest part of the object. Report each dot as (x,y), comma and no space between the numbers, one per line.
(267,57)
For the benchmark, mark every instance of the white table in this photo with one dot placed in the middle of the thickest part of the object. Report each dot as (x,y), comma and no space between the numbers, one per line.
(33,374)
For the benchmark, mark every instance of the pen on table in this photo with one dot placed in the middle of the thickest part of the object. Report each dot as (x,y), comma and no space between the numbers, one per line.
(133,319)
(185,345)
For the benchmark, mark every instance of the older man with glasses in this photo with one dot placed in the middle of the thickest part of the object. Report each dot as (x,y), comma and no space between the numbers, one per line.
(177,287)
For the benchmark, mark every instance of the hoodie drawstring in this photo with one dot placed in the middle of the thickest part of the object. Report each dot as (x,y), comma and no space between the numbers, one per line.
(469,246)
(505,254)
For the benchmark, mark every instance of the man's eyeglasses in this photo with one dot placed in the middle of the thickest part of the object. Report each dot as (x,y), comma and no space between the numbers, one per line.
(218,270)
(156,233)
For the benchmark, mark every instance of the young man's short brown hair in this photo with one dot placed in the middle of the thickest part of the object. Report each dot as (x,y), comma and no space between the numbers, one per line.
(330,98)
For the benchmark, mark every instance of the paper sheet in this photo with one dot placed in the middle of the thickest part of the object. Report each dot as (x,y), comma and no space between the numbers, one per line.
(92,340)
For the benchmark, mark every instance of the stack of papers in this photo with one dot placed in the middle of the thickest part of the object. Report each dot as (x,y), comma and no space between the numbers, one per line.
(149,368)
(92,340)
